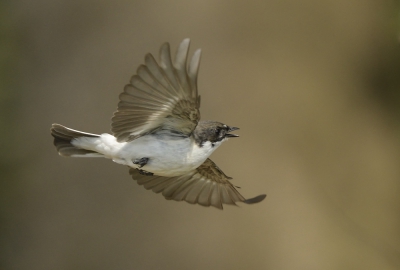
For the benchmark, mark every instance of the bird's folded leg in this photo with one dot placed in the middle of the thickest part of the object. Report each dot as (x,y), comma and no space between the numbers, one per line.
(141,161)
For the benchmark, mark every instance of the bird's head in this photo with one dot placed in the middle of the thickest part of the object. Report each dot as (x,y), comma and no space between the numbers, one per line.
(213,132)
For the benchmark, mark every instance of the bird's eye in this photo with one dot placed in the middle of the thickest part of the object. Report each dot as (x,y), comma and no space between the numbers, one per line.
(217,131)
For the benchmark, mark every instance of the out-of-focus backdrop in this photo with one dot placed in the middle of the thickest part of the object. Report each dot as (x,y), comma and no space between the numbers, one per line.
(313,85)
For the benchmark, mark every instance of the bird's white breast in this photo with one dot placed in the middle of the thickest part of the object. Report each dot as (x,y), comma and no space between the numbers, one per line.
(168,156)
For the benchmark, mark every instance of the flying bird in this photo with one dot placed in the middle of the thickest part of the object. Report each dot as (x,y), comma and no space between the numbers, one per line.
(157,132)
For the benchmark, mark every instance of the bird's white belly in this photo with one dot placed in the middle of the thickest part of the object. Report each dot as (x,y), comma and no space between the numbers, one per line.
(168,156)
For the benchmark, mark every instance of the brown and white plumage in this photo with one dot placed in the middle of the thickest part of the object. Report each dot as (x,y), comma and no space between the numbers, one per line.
(160,96)
(158,119)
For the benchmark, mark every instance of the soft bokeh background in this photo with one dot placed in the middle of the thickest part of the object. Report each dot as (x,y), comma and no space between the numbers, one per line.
(313,85)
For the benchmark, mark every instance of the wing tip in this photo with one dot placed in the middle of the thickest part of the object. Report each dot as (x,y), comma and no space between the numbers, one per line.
(185,41)
(197,55)
(256,199)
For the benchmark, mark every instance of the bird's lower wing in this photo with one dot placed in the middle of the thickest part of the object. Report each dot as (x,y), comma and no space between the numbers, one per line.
(207,185)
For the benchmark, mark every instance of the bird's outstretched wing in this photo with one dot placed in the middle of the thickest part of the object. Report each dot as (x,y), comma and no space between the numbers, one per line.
(161,96)
(207,185)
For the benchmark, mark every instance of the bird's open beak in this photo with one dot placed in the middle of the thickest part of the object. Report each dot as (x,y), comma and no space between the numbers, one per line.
(231,135)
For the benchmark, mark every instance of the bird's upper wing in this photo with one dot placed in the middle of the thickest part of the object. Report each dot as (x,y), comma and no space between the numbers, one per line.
(160,96)
(207,185)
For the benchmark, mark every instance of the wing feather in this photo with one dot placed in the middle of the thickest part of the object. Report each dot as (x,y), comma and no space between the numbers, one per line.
(207,186)
(160,96)
(166,65)
(180,63)
(204,196)
(215,198)
(154,75)
(193,195)
(193,71)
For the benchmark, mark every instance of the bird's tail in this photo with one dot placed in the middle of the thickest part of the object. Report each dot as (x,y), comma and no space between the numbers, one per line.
(62,141)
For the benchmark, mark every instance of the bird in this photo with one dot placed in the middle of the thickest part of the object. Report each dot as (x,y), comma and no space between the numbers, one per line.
(158,134)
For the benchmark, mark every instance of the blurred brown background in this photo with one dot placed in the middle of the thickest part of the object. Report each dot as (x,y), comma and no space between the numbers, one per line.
(313,85)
